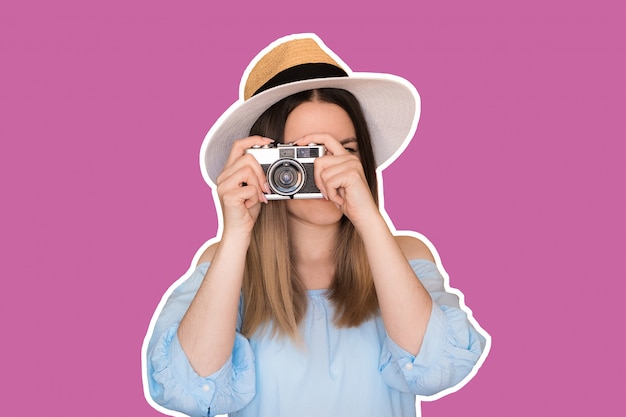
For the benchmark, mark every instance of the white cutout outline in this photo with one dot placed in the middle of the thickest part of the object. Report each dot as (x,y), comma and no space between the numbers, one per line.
(383,212)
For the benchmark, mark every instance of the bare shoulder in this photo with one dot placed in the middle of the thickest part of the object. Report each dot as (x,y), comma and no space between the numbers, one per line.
(207,255)
(413,248)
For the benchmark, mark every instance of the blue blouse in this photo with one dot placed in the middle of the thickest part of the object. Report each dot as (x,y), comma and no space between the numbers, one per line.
(356,371)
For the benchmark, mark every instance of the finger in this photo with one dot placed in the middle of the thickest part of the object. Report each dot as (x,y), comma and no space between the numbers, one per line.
(333,166)
(243,174)
(247,189)
(245,170)
(333,186)
(249,166)
(239,147)
(244,196)
(254,197)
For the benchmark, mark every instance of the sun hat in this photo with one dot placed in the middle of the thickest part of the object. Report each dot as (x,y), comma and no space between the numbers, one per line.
(301,62)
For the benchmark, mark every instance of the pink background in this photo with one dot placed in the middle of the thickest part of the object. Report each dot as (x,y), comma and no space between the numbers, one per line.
(516,175)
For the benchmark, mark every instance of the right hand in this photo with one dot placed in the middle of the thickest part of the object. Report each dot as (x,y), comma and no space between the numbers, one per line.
(241,186)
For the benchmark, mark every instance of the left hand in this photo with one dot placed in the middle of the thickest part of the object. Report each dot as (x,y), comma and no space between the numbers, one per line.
(339,176)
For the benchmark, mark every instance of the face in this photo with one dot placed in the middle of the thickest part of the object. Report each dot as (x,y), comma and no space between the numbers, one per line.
(318,117)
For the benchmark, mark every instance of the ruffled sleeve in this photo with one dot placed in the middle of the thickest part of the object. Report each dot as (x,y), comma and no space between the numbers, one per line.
(172,381)
(450,349)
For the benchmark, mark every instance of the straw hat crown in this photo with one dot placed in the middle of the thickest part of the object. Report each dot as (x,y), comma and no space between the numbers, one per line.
(283,57)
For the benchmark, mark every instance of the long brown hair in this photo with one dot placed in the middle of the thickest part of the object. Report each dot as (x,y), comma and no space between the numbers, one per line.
(273,295)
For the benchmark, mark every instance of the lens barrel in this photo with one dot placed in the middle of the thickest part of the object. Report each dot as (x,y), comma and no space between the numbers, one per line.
(286,176)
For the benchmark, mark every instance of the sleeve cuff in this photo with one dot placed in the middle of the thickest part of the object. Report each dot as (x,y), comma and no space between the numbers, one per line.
(228,389)
(401,369)
(450,349)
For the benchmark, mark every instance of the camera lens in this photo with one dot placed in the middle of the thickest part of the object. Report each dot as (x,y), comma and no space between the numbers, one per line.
(286,177)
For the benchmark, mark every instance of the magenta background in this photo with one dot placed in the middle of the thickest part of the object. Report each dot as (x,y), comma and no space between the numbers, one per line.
(516,175)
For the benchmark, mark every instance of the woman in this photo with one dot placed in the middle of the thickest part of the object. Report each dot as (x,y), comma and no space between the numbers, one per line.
(309,306)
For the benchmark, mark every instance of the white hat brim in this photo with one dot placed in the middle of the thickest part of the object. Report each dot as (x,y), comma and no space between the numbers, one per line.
(391,106)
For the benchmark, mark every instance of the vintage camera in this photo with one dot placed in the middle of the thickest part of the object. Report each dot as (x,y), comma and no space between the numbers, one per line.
(289,169)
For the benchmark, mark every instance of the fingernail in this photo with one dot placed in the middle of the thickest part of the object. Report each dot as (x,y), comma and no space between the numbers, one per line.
(266,188)
(338,206)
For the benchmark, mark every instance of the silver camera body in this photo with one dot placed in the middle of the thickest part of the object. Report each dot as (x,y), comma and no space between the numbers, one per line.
(289,169)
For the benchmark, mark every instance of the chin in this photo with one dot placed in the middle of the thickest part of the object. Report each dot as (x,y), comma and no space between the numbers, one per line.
(316,211)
